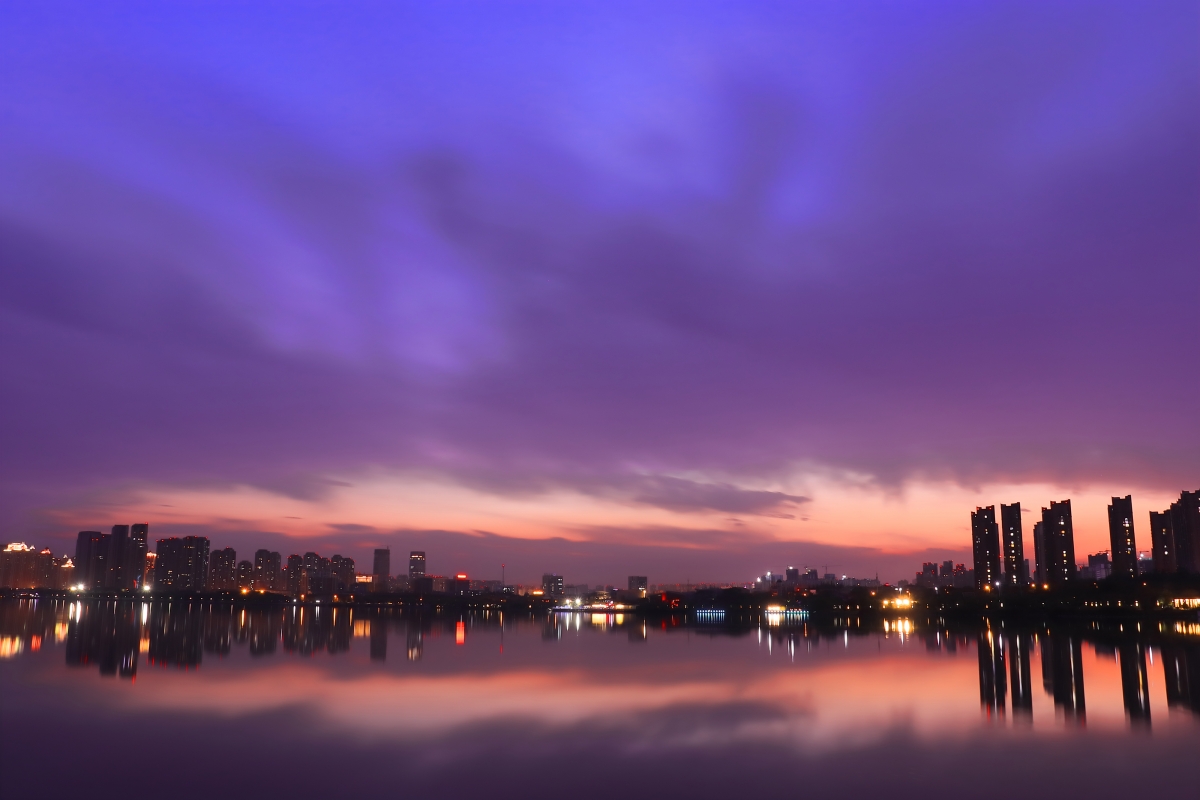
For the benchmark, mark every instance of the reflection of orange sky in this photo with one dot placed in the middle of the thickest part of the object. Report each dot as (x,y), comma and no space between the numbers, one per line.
(841,513)
(829,705)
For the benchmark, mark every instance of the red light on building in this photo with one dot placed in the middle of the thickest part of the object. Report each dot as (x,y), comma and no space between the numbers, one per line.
(462,576)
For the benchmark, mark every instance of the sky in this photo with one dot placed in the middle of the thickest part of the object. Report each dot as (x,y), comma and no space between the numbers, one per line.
(694,290)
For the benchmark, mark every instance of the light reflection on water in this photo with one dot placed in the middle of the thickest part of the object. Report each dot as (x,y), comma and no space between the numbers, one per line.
(707,684)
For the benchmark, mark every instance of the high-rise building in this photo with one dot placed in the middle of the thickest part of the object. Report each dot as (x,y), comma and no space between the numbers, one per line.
(1162,540)
(1121,540)
(1015,571)
(1059,544)
(985,541)
(23,567)
(222,572)
(266,570)
(294,575)
(118,552)
(148,571)
(245,575)
(91,559)
(342,569)
(1039,554)
(134,568)
(182,564)
(1185,524)
(552,585)
(416,564)
(639,583)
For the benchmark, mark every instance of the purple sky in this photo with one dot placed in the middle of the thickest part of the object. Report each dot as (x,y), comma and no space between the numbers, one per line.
(672,257)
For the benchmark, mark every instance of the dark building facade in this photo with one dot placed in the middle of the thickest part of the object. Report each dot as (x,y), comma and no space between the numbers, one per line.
(1162,540)
(1121,539)
(416,564)
(294,575)
(245,575)
(91,559)
(1058,534)
(342,570)
(639,584)
(552,585)
(985,544)
(1015,571)
(222,572)
(1185,524)
(267,570)
(181,564)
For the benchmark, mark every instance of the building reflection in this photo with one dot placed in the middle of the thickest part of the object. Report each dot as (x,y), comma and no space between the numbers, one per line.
(1020,662)
(1181,668)
(1062,674)
(106,635)
(1135,681)
(993,686)
(117,637)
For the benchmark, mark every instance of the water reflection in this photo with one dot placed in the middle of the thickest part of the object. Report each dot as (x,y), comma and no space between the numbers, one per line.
(116,637)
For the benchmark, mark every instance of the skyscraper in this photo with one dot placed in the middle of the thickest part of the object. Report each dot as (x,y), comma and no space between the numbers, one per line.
(381,570)
(985,540)
(552,585)
(1058,543)
(1015,571)
(182,564)
(266,570)
(134,568)
(295,575)
(1185,524)
(1162,540)
(638,583)
(1121,540)
(118,552)
(222,573)
(91,559)
(416,564)
(1039,553)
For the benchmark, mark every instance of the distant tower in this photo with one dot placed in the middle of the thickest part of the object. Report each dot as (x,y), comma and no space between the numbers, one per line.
(1015,572)
(382,568)
(1059,533)
(638,583)
(1162,539)
(1039,553)
(985,541)
(134,569)
(1185,523)
(416,564)
(1120,536)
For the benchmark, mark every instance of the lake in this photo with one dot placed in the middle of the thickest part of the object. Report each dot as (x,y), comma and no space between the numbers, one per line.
(182,700)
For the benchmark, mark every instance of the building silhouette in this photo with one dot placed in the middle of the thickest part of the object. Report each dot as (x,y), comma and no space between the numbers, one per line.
(267,571)
(181,564)
(245,575)
(416,564)
(639,584)
(1162,540)
(1058,544)
(1122,544)
(985,544)
(1185,525)
(552,585)
(222,572)
(1016,573)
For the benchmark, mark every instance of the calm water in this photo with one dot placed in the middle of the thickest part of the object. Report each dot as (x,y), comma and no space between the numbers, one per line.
(157,699)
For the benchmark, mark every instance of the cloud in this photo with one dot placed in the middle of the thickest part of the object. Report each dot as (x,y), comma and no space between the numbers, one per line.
(883,256)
